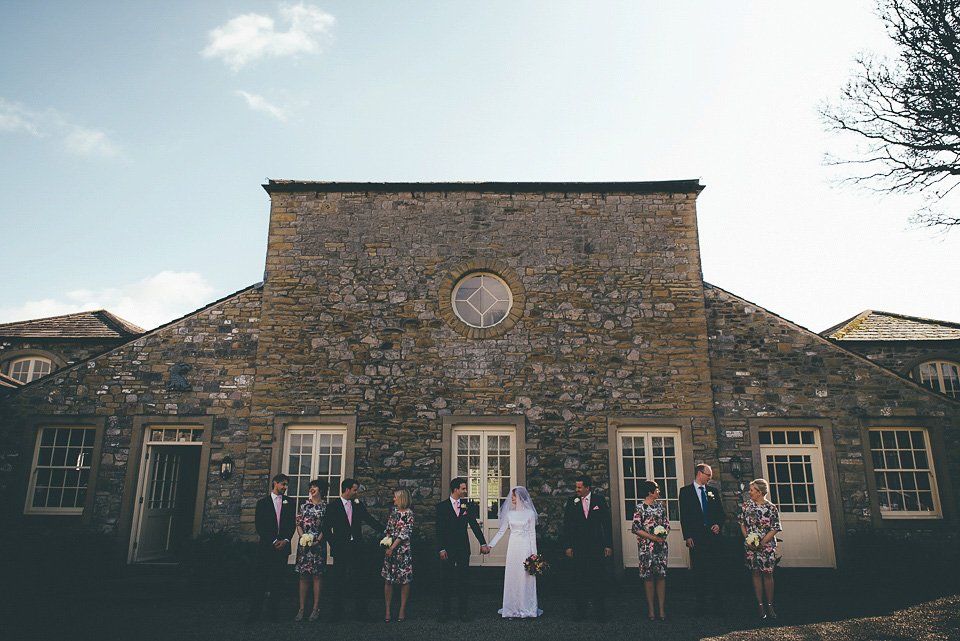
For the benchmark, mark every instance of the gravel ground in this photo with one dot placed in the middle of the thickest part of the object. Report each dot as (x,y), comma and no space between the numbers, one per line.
(818,606)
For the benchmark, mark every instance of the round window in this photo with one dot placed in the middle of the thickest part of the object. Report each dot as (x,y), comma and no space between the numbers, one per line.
(482,300)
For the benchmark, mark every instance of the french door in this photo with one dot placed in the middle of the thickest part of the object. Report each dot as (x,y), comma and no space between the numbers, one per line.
(793,467)
(310,453)
(652,454)
(486,457)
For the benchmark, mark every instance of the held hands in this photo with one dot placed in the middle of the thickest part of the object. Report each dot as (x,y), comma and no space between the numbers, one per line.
(484,549)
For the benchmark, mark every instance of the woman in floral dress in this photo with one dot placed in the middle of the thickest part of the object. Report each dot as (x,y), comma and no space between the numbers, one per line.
(650,517)
(312,559)
(759,523)
(398,562)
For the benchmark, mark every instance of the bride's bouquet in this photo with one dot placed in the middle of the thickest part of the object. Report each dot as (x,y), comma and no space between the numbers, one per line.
(753,540)
(536,565)
(307,540)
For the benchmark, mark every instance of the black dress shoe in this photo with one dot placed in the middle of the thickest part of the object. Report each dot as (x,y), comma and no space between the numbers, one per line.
(443,618)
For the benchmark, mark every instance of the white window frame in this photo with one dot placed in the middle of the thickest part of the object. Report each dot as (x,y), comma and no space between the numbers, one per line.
(83,463)
(939,383)
(481,275)
(32,374)
(317,431)
(937,512)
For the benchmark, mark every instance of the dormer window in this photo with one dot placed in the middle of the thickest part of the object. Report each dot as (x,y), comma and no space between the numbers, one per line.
(942,376)
(29,368)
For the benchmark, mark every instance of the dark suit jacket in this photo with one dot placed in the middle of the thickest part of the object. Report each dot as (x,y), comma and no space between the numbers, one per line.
(265,520)
(452,529)
(589,533)
(337,529)
(691,513)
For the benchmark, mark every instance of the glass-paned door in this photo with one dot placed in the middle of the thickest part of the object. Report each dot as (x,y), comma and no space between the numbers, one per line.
(311,453)
(486,458)
(653,455)
(793,466)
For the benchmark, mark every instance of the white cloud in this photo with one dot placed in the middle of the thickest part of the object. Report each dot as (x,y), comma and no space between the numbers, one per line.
(16,117)
(148,303)
(259,103)
(90,142)
(252,36)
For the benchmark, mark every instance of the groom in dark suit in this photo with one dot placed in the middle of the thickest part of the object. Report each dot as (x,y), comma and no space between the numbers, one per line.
(589,541)
(342,527)
(452,520)
(701,517)
(275,520)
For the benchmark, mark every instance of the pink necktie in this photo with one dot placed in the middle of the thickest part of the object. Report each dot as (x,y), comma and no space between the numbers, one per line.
(349,513)
(586,508)
(458,509)
(276,505)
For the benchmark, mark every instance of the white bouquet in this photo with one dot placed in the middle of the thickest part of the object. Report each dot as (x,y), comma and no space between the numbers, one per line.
(660,531)
(753,540)
(386,541)
(307,540)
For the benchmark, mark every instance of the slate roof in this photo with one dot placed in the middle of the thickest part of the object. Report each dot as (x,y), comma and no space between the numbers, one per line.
(99,324)
(872,325)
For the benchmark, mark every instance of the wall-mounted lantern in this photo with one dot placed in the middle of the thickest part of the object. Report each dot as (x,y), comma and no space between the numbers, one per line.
(736,469)
(226,468)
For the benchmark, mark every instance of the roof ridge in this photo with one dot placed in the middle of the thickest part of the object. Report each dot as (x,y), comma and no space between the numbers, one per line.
(48,318)
(120,324)
(919,319)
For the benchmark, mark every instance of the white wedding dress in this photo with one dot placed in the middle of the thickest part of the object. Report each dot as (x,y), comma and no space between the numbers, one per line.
(519,588)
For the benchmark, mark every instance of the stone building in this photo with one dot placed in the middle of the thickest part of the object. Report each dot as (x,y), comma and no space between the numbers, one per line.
(925,350)
(511,333)
(34,348)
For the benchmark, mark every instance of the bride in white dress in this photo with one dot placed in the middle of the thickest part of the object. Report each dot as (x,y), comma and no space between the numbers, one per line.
(519,588)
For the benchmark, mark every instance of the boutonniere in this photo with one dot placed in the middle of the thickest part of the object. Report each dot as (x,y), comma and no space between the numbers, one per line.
(284,501)
(356,501)
(710,495)
(576,500)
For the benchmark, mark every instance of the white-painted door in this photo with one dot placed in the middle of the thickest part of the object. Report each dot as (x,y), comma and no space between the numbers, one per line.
(793,465)
(654,455)
(486,458)
(158,504)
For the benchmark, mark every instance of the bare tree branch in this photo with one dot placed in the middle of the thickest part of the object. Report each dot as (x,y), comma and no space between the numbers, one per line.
(906,111)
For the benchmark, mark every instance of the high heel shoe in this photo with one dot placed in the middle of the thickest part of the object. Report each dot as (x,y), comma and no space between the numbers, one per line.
(771,612)
(763,612)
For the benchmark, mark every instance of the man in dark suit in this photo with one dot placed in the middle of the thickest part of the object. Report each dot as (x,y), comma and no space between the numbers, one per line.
(589,541)
(275,521)
(701,517)
(452,520)
(342,527)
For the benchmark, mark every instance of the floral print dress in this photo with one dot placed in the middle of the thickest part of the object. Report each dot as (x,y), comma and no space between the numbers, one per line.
(398,567)
(311,559)
(653,556)
(760,518)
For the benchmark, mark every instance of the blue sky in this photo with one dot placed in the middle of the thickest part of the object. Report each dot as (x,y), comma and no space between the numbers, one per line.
(134,137)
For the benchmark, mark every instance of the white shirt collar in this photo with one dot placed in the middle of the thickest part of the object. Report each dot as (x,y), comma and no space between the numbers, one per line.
(698,486)
(587,497)
(345,501)
(454,502)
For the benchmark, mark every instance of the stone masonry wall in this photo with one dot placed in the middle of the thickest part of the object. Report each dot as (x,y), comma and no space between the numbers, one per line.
(898,355)
(71,351)
(218,342)
(613,326)
(766,367)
